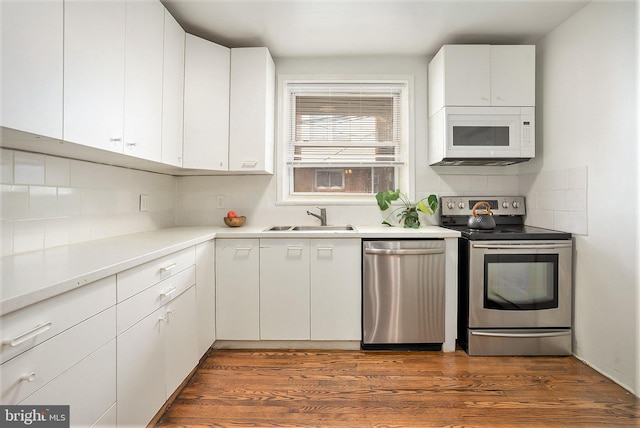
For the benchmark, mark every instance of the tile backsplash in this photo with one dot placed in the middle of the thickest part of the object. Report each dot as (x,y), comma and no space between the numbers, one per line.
(47,201)
(557,199)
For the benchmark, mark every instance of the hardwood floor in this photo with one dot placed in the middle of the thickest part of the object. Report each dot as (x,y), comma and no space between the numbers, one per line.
(397,389)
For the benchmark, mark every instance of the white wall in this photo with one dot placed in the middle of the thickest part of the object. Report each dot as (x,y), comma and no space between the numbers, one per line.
(587,121)
(47,201)
(255,196)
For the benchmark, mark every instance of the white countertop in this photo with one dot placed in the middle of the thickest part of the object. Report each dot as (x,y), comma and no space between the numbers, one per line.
(31,277)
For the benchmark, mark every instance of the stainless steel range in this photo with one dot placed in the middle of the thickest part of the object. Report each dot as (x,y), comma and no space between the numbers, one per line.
(514,281)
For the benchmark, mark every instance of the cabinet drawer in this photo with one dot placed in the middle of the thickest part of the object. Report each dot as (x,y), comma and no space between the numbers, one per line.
(89,387)
(136,279)
(25,374)
(25,328)
(142,304)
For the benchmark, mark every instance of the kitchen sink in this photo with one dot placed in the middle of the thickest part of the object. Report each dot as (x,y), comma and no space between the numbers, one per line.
(307,228)
(347,227)
(278,228)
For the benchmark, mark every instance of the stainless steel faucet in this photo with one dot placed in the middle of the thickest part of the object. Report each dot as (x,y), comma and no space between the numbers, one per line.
(322,216)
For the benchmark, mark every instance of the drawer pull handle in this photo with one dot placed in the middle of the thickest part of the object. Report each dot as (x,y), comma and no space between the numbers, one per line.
(325,249)
(168,268)
(29,377)
(249,164)
(244,248)
(21,338)
(294,247)
(168,292)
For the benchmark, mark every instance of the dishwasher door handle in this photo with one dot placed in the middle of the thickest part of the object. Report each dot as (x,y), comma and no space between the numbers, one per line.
(404,252)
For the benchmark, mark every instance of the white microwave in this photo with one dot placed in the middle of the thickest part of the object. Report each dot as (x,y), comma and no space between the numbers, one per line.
(481,135)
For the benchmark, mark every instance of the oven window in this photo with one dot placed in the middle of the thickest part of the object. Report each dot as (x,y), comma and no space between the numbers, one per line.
(481,136)
(521,281)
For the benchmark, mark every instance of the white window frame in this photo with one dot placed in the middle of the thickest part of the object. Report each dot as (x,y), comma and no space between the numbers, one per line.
(405,179)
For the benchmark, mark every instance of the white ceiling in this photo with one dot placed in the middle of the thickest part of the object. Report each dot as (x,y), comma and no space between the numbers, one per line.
(292,28)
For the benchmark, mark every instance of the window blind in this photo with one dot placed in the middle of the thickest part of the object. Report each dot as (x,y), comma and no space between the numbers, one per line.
(338,124)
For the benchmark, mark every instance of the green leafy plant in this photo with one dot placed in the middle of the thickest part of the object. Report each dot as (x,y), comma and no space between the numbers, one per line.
(408,212)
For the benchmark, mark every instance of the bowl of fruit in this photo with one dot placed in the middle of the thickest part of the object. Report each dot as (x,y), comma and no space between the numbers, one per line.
(234,220)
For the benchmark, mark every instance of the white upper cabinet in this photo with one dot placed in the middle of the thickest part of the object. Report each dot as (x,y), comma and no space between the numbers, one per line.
(513,75)
(206,105)
(251,133)
(94,55)
(172,92)
(482,75)
(144,45)
(31,78)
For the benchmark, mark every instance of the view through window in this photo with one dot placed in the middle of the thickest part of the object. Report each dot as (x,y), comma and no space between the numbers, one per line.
(346,138)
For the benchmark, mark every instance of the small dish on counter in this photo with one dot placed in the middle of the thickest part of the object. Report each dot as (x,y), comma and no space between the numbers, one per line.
(235,221)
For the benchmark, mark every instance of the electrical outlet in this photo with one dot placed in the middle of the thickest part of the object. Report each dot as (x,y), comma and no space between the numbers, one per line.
(220,201)
(144,202)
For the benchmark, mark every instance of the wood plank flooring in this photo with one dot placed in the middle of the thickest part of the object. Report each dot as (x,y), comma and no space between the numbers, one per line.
(397,389)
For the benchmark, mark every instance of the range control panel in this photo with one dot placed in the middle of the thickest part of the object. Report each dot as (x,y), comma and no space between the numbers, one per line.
(500,205)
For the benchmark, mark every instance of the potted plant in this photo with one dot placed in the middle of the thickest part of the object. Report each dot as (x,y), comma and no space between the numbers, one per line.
(408,212)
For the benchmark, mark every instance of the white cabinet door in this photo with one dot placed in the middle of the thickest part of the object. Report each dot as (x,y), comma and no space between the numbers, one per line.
(482,75)
(335,289)
(144,47)
(173,91)
(206,105)
(513,75)
(206,295)
(237,289)
(31,80)
(467,75)
(94,52)
(251,129)
(284,289)
(181,342)
(89,387)
(141,370)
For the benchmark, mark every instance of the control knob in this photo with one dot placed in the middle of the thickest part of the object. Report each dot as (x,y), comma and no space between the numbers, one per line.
(461,205)
(450,205)
(515,204)
(505,204)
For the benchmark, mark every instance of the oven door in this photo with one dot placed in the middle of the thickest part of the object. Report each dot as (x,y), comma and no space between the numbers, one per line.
(520,284)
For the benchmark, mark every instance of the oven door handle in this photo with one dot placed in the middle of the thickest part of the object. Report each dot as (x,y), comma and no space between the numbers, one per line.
(405,252)
(522,335)
(522,246)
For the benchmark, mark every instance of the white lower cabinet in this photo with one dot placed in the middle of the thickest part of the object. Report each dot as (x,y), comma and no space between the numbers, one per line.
(66,370)
(237,289)
(292,289)
(154,357)
(284,289)
(335,274)
(206,295)
(88,388)
(181,341)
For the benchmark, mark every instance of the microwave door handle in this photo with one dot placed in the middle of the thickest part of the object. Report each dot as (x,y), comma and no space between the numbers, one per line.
(521,335)
(522,246)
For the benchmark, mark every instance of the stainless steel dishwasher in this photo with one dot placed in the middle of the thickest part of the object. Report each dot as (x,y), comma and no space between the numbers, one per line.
(403,294)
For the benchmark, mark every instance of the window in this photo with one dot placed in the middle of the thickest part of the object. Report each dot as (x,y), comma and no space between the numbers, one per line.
(344,139)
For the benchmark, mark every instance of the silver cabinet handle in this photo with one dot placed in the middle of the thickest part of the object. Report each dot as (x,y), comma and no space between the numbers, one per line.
(168,292)
(132,144)
(29,377)
(168,268)
(116,139)
(30,334)
(244,248)
(249,164)
(407,252)
(521,335)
